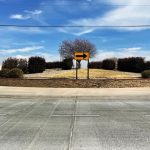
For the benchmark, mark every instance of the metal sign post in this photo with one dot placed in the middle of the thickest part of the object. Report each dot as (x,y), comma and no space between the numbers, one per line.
(88,71)
(76,71)
(78,56)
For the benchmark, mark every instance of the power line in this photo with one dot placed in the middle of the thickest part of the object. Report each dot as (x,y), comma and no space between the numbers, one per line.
(83,2)
(75,4)
(92,4)
(75,26)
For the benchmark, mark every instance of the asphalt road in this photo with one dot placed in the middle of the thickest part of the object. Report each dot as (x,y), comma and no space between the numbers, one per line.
(87,123)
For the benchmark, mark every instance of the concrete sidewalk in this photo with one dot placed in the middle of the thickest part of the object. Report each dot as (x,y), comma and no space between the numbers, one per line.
(26,91)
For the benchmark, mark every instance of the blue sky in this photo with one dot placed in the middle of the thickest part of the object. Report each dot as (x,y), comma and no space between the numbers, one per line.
(112,42)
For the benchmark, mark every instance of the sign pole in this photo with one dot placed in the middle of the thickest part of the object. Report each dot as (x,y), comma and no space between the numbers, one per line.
(76,71)
(78,56)
(88,72)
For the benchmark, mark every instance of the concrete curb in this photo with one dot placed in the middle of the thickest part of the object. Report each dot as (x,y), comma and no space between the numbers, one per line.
(67,92)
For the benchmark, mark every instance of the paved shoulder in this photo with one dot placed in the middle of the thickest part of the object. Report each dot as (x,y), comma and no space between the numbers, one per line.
(73,91)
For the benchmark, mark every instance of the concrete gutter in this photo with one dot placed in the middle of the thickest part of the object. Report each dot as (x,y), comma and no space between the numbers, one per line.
(28,91)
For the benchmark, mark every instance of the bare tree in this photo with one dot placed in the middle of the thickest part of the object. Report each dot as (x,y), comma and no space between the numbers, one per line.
(68,48)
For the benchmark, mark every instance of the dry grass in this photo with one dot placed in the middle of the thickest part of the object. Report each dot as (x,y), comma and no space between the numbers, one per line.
(82,74)
(94,74)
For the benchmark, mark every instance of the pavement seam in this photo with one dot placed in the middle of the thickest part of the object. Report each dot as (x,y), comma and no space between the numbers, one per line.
(79,115)
(72,126)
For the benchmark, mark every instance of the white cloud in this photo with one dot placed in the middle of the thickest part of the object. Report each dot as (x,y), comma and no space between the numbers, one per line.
(75,31)
(28,15)
(129,13)
(31,30)
(13,52)
(35,12)
(19,17)
(22,56)
(132,49)
(48,57)
(25,49)
(35,15)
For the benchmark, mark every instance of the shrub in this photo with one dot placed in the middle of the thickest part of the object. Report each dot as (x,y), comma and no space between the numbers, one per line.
(4,73)
(53,65)
(67,64)
(95,65)
(147,65)
(15,73)
(11,63)
(109,64)
(146,74)
(36,64)
(23,65)
(132,64)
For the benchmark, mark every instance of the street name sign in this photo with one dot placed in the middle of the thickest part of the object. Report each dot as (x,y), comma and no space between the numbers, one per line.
(81,56)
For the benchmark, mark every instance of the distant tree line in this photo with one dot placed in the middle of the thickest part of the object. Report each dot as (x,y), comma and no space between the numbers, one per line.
(13,67)
(38,64)
(35,64)
(66,64)
(131,64)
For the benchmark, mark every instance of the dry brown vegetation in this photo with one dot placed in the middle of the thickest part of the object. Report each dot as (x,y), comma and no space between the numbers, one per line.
(72,83)
(56,78)
(82,74)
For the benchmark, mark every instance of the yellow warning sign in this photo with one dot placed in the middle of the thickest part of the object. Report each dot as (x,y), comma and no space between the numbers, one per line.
(81,56)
